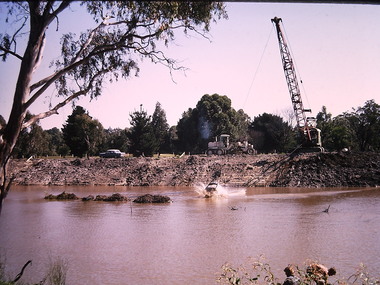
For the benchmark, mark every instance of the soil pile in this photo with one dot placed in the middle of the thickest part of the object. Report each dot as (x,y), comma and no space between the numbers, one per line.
(306,170)
(330,170)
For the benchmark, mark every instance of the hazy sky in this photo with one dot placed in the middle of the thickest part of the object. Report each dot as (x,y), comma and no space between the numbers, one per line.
(336,49)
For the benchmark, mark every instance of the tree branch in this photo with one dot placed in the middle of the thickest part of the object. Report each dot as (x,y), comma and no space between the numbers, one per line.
(10,52)
(87,43)
(46,82)
(54,110)
(48,7)
(64,4)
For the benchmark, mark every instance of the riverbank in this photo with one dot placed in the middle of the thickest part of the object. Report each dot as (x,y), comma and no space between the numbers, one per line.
(275,170)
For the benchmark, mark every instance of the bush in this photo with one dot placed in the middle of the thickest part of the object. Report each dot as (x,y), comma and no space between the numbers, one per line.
(260,272)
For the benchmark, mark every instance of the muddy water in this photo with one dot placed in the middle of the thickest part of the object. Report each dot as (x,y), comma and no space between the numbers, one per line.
(188,241)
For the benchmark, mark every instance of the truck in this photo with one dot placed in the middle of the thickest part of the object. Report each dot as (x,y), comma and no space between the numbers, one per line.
(222,146)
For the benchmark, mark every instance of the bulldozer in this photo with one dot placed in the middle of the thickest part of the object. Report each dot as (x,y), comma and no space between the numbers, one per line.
(222,146)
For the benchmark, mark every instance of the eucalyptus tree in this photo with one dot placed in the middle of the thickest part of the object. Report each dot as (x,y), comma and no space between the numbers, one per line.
(122,33)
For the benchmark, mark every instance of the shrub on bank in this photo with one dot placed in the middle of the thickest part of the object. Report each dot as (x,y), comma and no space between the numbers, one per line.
(260,272)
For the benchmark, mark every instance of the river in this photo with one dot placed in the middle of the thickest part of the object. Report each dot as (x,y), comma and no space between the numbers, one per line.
(187,241)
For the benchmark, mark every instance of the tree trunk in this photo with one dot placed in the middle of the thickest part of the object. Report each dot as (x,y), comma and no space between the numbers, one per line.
(29,63)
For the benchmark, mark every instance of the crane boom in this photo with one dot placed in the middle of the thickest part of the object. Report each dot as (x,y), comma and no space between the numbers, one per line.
(291,77)
(307,127)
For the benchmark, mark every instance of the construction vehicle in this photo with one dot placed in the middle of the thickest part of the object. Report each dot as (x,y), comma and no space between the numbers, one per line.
(222,145)
(309,134)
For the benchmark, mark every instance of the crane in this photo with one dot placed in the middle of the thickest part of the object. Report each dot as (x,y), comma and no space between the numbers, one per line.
(310,135)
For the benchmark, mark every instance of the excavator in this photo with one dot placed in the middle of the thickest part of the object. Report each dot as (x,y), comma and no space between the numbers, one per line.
(309,134)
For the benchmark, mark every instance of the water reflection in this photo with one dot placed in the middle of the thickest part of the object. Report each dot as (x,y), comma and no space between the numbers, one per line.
(188,240)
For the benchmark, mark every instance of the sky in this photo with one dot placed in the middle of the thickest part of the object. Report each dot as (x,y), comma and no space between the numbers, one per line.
(335,47)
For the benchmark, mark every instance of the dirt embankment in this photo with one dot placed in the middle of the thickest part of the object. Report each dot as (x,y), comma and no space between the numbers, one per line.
(306,170)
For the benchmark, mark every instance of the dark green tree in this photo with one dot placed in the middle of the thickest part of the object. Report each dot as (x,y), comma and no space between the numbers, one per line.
(57,144)
(189,138)
(212,117)
(271,134)
(339,134)
(116,138)
(216,116)
(324,120)
(121,34)
(141,134)
(335,132)
(325,124)
(160,128)
(173,140)
(366,123)
(34,141)
(82,134)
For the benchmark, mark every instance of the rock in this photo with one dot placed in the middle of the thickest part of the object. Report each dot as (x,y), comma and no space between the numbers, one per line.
(148,198)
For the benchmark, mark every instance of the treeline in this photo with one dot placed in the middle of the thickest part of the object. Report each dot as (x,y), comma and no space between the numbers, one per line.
(213,115)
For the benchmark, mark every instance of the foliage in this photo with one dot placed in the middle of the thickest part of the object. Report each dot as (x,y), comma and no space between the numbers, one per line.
(141,135)
(173,139)
(338,134)
(116,138)
(160,128)
(212,116)
(187,131)
(33,141)
(270,133)
(357,130)
(57,144)
(82,134)
(365,122)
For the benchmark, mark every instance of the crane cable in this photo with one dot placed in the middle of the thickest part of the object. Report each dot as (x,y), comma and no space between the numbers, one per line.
(257,69)
(295,64)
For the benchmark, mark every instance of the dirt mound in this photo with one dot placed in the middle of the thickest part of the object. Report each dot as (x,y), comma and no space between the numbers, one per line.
(62,196)
(306,170)
(330,170)
(148,198)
